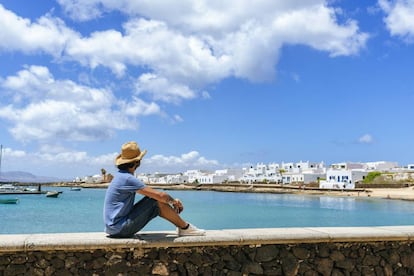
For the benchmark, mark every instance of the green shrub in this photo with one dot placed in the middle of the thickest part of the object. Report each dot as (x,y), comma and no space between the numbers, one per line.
(370,177)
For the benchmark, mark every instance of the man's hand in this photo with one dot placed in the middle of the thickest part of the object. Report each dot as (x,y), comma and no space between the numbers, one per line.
(177,205)
(163,197)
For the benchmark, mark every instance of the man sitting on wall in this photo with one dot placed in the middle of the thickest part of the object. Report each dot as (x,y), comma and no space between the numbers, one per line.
(122,217)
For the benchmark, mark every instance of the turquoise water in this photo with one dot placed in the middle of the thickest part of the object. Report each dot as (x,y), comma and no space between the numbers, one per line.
(81,211)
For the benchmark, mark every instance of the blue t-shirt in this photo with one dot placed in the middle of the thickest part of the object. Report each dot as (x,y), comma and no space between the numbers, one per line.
(119,200)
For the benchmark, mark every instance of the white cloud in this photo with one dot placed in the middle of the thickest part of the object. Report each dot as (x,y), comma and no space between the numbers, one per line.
(10,153)
(177,118)
(44,108)
(196,43)
(138,107)
(71,163)
(163,89)
(400,17)
(66,163)
(190,160)
(188,45)
(366,139)
(48,34)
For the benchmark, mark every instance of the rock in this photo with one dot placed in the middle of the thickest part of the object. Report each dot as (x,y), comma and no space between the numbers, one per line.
(70,262)
(346,264)
(301,253)
(407,259)
(394,258)
(160,269)
(323,251)
(337,256)
(266,253)
(253,268)
(324,266)
(290,266)
(371,261)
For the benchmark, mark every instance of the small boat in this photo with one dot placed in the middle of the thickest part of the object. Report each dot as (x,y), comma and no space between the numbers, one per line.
(9,200)
(8,188)
(52,194)
(75,189)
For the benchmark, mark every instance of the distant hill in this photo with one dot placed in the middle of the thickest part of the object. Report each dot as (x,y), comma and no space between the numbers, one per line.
(18,176)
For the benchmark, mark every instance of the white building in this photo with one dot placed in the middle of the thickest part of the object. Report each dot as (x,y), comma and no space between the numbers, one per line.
(97,178)
(286,173)
(211,179)
(342,179)
(410,166)
(195,175)
(381,166)
(302,177)
(347,166)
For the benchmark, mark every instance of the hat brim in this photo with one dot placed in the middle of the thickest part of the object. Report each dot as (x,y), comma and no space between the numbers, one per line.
(119,160)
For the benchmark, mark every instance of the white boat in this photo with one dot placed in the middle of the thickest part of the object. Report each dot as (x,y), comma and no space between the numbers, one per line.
(7,188)
(52,194)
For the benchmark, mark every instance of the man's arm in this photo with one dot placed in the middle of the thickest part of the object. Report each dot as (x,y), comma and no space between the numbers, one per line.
(155,194)
(162,197)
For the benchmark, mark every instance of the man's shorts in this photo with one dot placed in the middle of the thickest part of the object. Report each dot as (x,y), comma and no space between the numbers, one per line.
(143,211)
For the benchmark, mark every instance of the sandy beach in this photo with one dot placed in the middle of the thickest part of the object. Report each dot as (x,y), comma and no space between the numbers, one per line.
(406,193)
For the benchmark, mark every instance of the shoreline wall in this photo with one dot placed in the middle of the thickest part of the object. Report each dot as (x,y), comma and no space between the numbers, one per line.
(387,250)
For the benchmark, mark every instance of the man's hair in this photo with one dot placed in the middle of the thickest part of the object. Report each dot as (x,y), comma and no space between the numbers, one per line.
(127,166)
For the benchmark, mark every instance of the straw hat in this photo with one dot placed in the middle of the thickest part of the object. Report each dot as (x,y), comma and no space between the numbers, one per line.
(130,152)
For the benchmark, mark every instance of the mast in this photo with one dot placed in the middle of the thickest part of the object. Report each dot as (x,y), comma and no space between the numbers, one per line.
(1,155)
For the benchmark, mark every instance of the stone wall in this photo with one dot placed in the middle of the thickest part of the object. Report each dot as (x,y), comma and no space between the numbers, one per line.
(282,251)
(379,258)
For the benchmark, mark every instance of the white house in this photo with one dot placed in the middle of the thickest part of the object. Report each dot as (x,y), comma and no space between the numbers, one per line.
(97,178)
(302,177)
(193,175)
(177,178)
(231,174)
(342,179)
(211,179)
(381,166)
(347,166)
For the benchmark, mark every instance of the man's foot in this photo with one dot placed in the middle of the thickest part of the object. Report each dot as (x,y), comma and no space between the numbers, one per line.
(191,230)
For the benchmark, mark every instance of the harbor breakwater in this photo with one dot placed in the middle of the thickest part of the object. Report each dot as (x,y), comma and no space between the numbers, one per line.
(387,250)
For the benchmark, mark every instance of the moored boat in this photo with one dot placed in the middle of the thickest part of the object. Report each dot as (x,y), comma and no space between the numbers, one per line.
(10,189)
(9,200)
(52,194)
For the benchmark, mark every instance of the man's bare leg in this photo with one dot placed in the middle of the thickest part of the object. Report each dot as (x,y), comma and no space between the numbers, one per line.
(171,215)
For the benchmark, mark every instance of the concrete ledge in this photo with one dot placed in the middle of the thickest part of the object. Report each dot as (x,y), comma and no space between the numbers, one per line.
(91,241)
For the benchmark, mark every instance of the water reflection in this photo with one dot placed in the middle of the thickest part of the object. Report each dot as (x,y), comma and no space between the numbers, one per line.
(337,203)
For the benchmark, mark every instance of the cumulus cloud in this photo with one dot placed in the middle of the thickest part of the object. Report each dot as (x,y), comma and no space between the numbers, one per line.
(399,18)
(64,159)
(65,162)
(45,108)
(185,46)
(366,139)
(162,89)
(190,160)
(11,153)
(47,34)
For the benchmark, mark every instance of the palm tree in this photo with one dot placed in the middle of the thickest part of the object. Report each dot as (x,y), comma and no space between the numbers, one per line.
(103,171)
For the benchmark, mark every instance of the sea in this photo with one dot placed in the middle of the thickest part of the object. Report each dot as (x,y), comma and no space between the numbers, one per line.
(81,211)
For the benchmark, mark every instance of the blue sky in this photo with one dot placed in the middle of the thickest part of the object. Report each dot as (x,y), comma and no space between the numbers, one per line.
(204,84)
